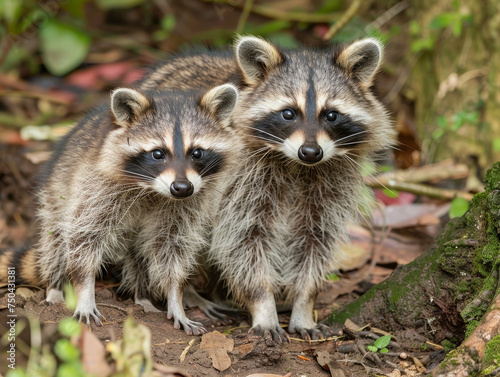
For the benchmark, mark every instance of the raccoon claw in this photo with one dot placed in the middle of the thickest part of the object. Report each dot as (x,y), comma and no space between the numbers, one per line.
(316,333)
(278,335)
(217,313)
(190,327)
(94,313)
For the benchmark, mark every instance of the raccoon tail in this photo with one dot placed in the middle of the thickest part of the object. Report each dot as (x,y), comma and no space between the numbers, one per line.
(19,266)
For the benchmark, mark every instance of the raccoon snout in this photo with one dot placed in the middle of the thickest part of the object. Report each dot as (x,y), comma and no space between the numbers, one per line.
(181,188)
(310,153)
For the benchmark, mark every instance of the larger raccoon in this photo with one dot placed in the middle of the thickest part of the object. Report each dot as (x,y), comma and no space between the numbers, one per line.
(308,119)
(141,175)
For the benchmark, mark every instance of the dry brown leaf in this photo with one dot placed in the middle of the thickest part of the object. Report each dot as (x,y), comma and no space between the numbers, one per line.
(160,370)
(217,346)
(93,355)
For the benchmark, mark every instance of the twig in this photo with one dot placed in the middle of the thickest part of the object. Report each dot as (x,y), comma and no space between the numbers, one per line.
(37,95)
(114,307)
(244,16)
(184,353)
(262,10)
(344,20)
(440,171)
(318,340)
(420,189)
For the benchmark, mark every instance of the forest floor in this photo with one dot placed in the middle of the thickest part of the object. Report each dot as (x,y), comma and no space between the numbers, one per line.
(375,254)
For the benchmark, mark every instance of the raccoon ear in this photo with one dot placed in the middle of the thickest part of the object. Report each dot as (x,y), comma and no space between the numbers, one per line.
(361,59)
(256,57)
(219,101)
(127,105)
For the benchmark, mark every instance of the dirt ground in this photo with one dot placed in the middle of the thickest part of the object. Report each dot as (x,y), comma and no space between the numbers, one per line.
(375,255)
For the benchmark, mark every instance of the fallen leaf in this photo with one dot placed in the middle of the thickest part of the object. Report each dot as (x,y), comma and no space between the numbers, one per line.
(160,370)
(217,346)
(93,354)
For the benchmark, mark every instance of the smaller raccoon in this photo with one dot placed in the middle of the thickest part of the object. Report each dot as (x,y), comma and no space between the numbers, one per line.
(135,181)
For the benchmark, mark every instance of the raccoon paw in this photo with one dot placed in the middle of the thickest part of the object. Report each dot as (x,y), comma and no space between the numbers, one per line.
(190,327)
(278,334)
(82,314)
(315,333)
(213,311)
(219,314)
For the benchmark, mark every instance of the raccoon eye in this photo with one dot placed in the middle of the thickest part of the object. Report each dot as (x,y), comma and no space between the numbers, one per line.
(332,116)
(158,154)
(197,154)
(288,114)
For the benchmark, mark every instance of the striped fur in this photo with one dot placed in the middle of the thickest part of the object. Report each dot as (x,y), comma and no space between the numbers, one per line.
(135,184)
(297,185)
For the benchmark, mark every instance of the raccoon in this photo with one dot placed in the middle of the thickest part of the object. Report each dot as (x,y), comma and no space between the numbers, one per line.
(307,119)
(141,174)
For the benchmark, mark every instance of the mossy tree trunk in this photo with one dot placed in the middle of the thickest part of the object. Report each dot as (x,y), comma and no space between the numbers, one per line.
(451,289)
(454,82)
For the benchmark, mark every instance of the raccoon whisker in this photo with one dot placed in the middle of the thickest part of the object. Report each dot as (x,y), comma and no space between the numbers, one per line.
(210,165)
(131,204)
(267,133)
(367,172)
(352,135)
(354,142)
(257,151)
(134,174)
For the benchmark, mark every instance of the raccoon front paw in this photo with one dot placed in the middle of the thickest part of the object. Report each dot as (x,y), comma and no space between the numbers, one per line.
(190,327)
(315,333)
(86,313)
(277,333)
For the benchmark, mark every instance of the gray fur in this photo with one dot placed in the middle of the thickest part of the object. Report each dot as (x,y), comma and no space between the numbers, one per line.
(94,212)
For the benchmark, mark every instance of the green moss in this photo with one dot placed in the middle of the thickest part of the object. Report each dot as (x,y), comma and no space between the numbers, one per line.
(492,351)
(448,345)
(471,326)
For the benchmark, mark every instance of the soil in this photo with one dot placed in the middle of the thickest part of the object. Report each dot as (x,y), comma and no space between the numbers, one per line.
(370,265)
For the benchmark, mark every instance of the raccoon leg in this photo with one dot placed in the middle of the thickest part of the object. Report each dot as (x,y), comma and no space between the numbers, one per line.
(265,318)
(54,296)
(301,320)
(176,311)
(86,306)
(213,311)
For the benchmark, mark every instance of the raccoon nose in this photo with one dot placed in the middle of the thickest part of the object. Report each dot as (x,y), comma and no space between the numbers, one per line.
(181,188)
(310,153)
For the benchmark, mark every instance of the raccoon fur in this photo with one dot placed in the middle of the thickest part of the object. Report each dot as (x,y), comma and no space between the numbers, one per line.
(135,181)
(308,119)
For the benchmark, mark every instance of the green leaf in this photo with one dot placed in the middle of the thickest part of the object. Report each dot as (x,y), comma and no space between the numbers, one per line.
(382,342)
(66,351)
(456,28)
(443,20)
(372,348)
(332,277)
(458,207)
(10,10)
(69,296)
(422,44)
(438,134)
(70,369)
(16,373)
(69,327)
(496,144)
(391,193)
(109,4)
(384,350)
(441,121)
(63,47)
(168,22)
